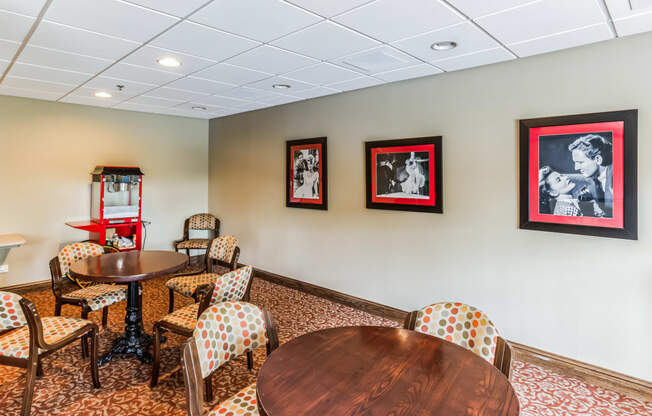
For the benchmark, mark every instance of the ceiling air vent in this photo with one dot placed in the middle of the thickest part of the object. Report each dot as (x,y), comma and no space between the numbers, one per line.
(375,61)
(639,5)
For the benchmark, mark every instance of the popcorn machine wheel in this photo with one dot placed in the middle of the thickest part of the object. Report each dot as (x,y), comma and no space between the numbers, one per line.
(116,201)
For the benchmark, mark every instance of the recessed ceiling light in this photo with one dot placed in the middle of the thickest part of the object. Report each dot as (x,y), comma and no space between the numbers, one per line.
(169,61)
(103,94)
(198,107)
(443,46)
(281,86)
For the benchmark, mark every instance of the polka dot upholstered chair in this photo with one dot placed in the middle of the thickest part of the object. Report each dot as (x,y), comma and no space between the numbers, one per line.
(221,257)
(232,286)
(90,298)
(224,331)
(26,337)
(197,222)
(463,325)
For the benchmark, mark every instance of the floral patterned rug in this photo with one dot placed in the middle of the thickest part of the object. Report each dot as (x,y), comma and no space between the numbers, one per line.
(65,388)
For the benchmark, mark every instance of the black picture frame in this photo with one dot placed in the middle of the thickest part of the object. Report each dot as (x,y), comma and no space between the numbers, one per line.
(629,119)
(290,200)
(434,175)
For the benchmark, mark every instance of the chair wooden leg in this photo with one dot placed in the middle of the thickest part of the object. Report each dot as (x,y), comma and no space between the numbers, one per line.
(105,316)
(156,359)
(95,374)
(57,309)
(250,360)
(208,387)
(171,303)
(84,343)
(28,394)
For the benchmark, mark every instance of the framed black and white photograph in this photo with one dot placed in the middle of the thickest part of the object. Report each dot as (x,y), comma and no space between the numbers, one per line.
(578,174)
(405,174)
(306,174)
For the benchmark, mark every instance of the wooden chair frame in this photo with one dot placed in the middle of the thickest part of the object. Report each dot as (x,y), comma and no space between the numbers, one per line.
(210,263)
(37,341)
(204,293)
(62,285)
(191,367)
(186,231)
(502,357)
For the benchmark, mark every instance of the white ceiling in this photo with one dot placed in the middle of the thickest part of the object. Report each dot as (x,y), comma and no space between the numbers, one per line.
(233,51)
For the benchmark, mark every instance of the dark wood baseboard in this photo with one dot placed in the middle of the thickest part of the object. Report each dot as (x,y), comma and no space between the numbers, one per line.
(632,386)
(28,287)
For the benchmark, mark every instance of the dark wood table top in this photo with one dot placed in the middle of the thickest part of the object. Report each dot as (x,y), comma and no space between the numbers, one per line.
(380,371)
(128,266)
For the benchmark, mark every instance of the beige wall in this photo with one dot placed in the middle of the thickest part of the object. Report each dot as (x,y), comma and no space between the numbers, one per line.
(47,151)
(584,297)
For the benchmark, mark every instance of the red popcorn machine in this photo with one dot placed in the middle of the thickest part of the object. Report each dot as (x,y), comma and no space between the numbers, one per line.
(116,200)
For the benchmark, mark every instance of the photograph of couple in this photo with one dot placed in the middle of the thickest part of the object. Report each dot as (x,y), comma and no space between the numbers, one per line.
(402,175)
(576,175)
(306,174)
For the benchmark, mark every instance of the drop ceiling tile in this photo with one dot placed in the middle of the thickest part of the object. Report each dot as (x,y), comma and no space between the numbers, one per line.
(110,17)
(468,37)
(280,99)
(634,24)
(271,60)
(356,84)
(542,18)
(37,85)
(3,65)
(98,102)
(267,85)
(154,101)
(199,40)
(262,20)
(244,93)
(140,74)
(219,101)
(315,92)
(175,94)
(416,71)
(390,20)
(147,57)
(89,92)
(625,8)
(208,108)
(130,88)
(200,85)
(328,8)
(563,40)
(8,49)
(475,8)
(491,56)
(252,106)
(322,74)
(326,40)
(138,107)
(231,74)
(48,74)
(26,7)
(381,59)
(36,55)
(70,39)
(27,93)
(14,26)
(179,8)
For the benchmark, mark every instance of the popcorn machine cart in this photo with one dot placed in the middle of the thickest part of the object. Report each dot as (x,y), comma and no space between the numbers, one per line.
(116,198)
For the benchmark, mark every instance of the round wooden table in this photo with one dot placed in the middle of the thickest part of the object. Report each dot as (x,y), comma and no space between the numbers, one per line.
(380,371)
(129,268)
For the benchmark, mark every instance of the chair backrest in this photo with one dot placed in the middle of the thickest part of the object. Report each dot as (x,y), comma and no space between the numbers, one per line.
(75,252)
(11,313)
(203,222)
(223,332)
(459,323)
(223,248)
(232,286)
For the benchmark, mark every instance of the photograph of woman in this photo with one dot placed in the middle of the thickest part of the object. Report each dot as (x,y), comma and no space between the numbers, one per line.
(402,175)
(306,174)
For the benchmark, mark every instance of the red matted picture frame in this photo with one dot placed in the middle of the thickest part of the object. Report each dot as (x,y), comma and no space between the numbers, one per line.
(405,174)
(306,176)
(578,174)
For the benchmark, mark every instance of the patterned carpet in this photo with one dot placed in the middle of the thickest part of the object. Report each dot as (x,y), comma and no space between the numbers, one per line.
(65,388)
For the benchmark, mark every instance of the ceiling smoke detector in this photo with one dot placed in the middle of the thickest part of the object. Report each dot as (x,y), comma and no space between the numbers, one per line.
(281,86)
(198,108)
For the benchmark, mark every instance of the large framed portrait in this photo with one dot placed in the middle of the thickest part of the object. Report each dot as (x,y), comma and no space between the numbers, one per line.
(306,174)
(405,174)
(578,174)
